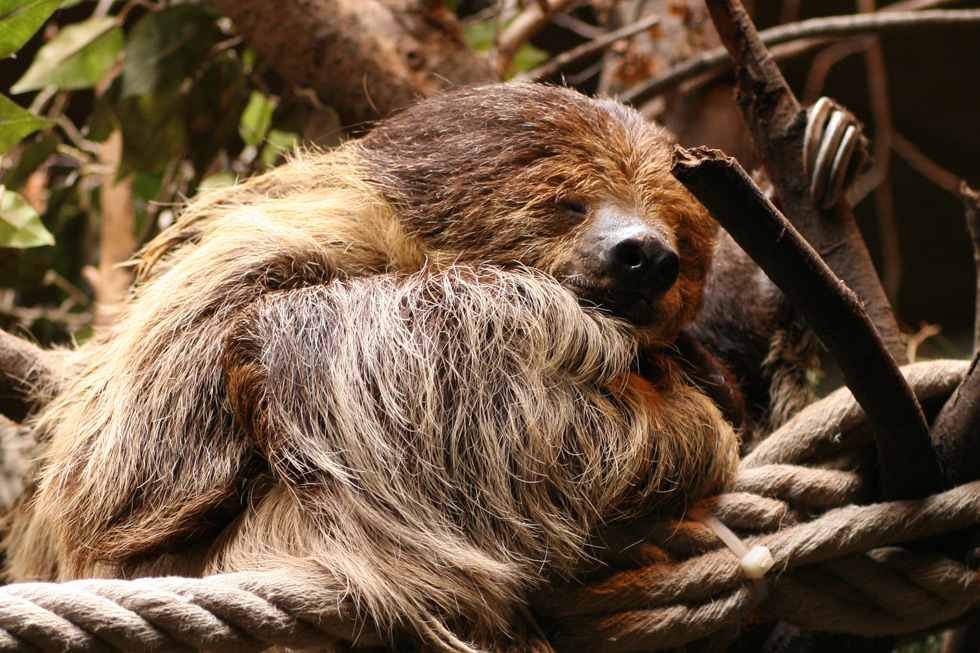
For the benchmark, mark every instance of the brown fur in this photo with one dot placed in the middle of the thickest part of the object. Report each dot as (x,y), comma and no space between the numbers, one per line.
(317,370)
(754,331)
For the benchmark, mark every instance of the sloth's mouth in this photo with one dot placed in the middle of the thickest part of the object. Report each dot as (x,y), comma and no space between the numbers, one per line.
(638,308)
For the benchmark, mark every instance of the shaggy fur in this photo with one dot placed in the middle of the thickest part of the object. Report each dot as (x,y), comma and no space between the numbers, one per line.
(317,369)
(760,337)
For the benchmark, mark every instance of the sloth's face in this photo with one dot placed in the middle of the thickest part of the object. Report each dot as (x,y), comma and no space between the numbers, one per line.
(621,263)
(642,258)
(547,178)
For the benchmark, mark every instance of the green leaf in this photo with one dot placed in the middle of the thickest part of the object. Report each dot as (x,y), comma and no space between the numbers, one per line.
(526,58)
(257,118)
(165,47)
(278,142)
(20,19)
(32,153)
(78,56)
(16,123)
(480,34)
(20,224)
(217,180)
(153,131)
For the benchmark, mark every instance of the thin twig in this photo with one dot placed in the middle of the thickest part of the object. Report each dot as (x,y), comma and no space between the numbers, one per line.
(580,27)
(877,76)
(908,463)
(880,22)
(925,166)
(528,23)
(825,60)
(575,54)
(971,208)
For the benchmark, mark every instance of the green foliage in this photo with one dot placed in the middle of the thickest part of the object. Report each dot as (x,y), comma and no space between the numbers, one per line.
(931,644)
(481,35)
(20,224)
(79,56)
(20,19)
(16,123)
(195,107)
(257,118)
(165,48)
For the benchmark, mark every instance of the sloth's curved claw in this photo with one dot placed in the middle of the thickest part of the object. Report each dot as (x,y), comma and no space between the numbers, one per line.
(832,139)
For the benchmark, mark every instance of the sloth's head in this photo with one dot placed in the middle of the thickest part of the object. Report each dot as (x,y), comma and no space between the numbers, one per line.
(541,176)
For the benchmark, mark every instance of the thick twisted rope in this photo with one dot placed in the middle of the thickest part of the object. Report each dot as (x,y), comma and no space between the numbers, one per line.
(231,612)
(838,566)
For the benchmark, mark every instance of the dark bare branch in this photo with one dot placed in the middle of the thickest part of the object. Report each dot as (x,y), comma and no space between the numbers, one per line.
(777,123)
(971,207)
(880,22)
(918,161)
(565,58)
(909,466)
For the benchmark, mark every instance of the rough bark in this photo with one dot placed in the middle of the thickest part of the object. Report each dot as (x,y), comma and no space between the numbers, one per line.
(24,367)
(909,466)
(365,58)
(956,430)
(777,122)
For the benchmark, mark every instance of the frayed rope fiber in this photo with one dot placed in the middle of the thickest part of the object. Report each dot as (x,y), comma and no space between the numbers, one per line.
(840,566)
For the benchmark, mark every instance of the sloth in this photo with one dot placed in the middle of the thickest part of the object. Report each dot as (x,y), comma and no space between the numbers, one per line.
(422,371)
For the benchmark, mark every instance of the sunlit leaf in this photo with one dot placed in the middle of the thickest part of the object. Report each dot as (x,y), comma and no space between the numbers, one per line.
(217,180)
(257,118)
(16,123)
(20,224)
(278,142)
(78,56)
(20,19)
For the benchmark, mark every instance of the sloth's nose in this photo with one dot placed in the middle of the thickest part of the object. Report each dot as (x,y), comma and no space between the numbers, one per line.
(643,263)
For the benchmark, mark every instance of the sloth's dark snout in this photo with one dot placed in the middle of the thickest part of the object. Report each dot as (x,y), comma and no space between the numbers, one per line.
(643,263)
(633,257)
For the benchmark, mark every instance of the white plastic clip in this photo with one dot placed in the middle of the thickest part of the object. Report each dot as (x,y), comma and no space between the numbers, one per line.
(755,562)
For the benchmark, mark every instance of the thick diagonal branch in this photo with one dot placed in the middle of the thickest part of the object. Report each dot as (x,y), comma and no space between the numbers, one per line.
(956,430)
(909,466)
(777,123)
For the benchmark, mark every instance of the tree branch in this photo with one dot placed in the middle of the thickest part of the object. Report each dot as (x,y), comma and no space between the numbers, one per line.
(24,367)
(956,427)
(117,234)
(971,208)
(364,58)
(879,22)
(526,25)
(565,58)
(908,464)
(777,123)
